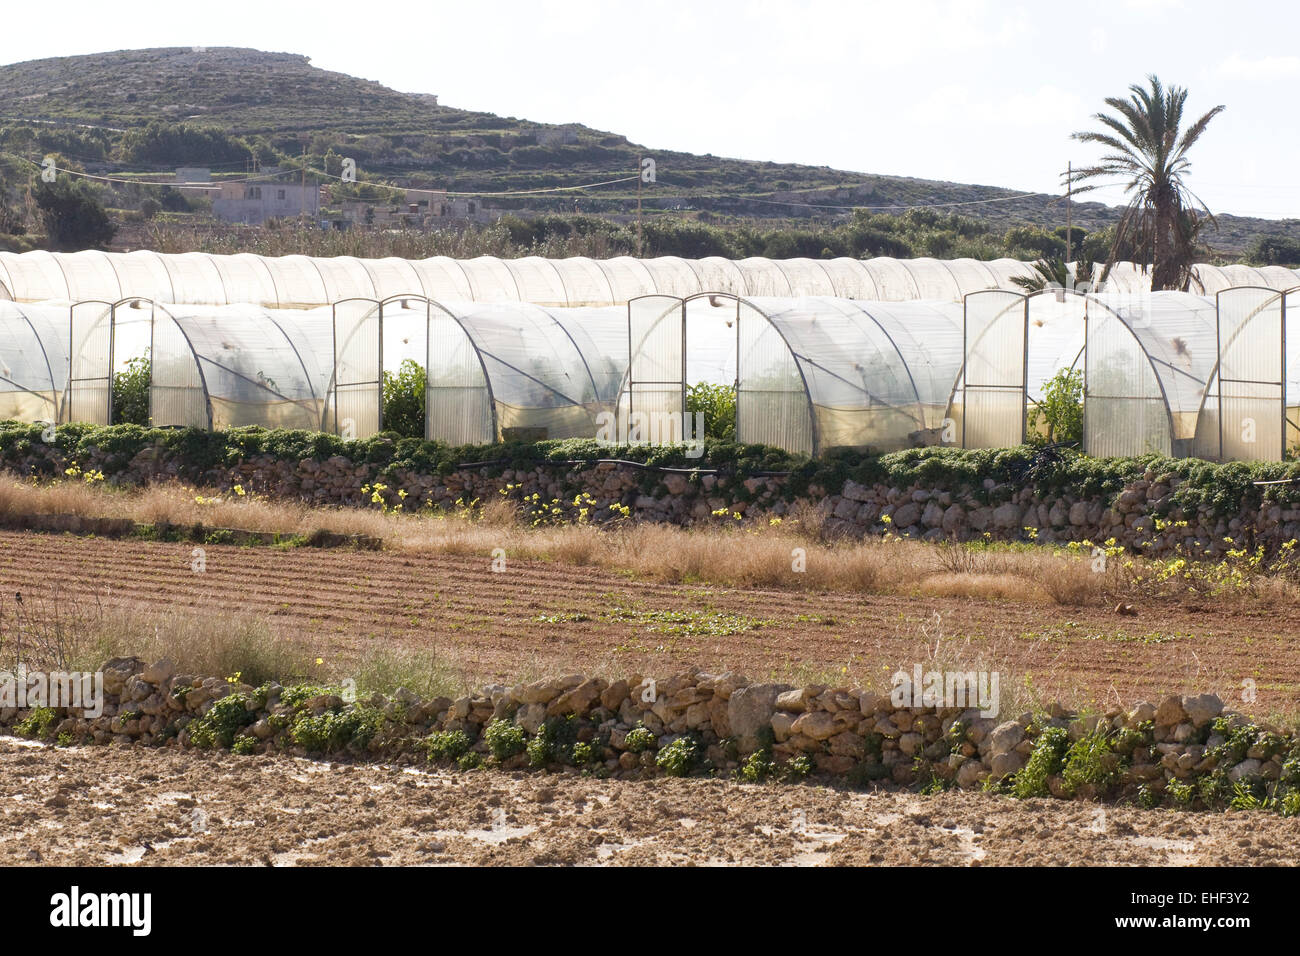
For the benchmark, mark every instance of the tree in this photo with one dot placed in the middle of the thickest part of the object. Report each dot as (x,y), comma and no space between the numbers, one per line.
(72,214)
(1148,150)
(1275,251)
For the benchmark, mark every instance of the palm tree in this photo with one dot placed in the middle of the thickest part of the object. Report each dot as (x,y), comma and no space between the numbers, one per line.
(1149,150)
(1052,272)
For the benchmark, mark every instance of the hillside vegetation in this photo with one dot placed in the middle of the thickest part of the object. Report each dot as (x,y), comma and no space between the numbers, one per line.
(142,112)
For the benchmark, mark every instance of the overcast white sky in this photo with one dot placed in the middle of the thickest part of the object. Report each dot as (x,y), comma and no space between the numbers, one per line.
(971,91)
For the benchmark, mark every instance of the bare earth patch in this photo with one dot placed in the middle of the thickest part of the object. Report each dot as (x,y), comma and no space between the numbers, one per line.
(132,806)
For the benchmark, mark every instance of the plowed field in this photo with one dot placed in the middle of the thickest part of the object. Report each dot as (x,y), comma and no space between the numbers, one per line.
(537,618)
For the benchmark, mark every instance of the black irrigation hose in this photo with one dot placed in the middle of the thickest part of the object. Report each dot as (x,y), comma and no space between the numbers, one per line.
(623,461)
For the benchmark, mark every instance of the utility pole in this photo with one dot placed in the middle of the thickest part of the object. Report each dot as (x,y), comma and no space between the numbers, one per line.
(638,206)
(1069,211)
(304,180)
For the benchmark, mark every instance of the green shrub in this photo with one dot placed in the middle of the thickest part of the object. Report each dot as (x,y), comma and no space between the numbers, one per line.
(798,767)
(447,745)
(1090,761)
(504,738)
(37,724)
(1130,738)
(679,758)
(1044,761)
(718,405)
(334,731)
(553,742)
(72,214)
(639,739)
(1059,416)
(757,767)
(223,721)
(244,745)
(469,761)
(1181,792)
(404,399)
(131,392)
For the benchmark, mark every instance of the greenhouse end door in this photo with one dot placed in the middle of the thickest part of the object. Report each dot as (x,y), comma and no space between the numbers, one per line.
(655,385)
(355,405)
(996,325)
(89,396)
(1252,374)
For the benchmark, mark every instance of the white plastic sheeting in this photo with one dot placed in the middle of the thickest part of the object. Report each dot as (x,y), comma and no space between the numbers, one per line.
(522,371)
(993,390)
(222,367)
(493,371)
(1243,410)
(1167,372)
(301,282)
(33,361)
(861,374)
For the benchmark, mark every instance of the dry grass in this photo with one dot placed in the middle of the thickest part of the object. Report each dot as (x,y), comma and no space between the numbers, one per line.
(746,555)
(78,632)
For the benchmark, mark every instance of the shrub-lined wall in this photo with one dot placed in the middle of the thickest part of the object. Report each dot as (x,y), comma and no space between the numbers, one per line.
(1153,505)
(1184,751)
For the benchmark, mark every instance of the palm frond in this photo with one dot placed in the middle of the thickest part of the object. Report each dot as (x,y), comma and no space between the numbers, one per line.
(1147,152)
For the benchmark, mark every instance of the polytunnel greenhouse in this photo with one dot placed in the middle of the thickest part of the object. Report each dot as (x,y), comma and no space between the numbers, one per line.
(212,366)
(912,362)
(195,278)
(519,371)
(33,361)
(1166,372)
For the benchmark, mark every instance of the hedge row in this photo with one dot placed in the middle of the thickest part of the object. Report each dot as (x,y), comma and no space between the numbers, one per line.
(1224,489)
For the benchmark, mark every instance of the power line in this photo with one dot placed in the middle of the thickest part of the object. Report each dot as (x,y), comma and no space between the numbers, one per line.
(142,182)
(928,205)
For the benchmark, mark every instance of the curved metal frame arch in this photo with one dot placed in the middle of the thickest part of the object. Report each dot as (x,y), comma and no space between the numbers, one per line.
(1213,377)
(504,264)
(221,278)
(609,283)
(430,304)
(332,387)
(647,279)
(54,402)
(457,263)
(911,379)
(153,355)
(627,383)
(65,406)
(814,431)
(861,266)
(478,354)
(262,385)
(1151,362)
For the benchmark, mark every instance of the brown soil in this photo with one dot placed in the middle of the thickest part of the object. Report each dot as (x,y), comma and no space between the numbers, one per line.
(538,618)
(111,805)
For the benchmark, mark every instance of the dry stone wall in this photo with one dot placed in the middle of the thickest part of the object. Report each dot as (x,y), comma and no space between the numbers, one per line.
(1186,747)
(1144,512)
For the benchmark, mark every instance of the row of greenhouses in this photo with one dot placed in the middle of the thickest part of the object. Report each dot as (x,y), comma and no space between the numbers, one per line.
(1167,372)
(302,282)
